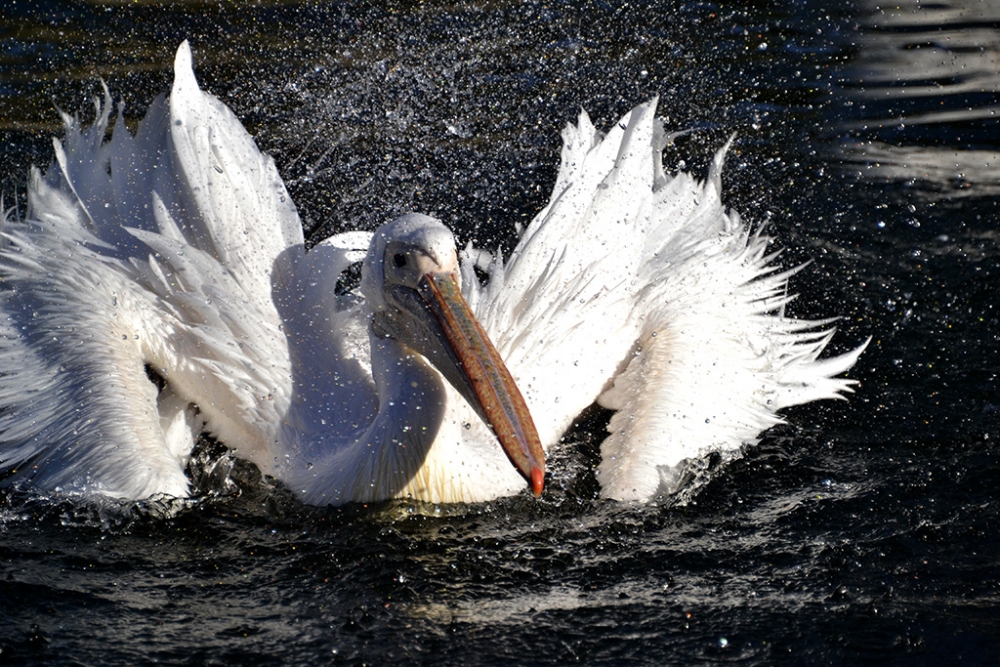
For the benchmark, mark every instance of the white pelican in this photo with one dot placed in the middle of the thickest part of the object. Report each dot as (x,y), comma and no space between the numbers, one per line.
(158,288)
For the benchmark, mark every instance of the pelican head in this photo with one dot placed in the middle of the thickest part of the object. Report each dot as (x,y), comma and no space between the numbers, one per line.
(412,284)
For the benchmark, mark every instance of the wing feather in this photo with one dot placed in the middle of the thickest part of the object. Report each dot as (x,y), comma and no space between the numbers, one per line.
(162,250)
(560,311)
(638,289)
(717,358)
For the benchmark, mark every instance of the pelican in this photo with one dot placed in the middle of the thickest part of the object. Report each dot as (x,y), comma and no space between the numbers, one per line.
(158,288)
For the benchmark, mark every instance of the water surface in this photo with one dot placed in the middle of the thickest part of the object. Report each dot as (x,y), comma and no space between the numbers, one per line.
(864,531)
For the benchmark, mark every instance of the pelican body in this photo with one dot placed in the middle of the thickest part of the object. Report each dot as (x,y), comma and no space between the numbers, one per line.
(158,288)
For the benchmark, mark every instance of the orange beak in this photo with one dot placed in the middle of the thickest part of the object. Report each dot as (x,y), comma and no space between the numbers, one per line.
(493,388)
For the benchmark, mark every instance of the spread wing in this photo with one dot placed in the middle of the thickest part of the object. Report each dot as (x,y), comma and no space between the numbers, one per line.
(638,289)
(149,260)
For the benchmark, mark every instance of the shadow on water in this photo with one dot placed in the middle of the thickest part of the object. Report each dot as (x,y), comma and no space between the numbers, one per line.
(862,532)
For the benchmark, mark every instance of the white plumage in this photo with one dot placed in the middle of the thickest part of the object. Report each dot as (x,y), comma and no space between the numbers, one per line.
(158,287)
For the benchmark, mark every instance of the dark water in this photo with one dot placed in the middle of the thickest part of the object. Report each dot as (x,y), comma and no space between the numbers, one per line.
(864,532)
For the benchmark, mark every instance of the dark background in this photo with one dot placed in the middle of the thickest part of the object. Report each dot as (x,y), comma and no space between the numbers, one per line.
(862,532)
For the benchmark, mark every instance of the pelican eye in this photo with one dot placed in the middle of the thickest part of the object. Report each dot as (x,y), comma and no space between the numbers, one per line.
(399,260)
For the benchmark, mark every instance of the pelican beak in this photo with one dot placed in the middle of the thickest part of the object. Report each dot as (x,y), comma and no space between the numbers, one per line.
(485,376)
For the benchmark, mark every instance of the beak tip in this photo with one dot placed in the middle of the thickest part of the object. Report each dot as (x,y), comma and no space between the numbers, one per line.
(537,481)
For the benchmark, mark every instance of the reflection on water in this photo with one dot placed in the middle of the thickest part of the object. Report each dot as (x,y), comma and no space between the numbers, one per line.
(941,171)
(923,87)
